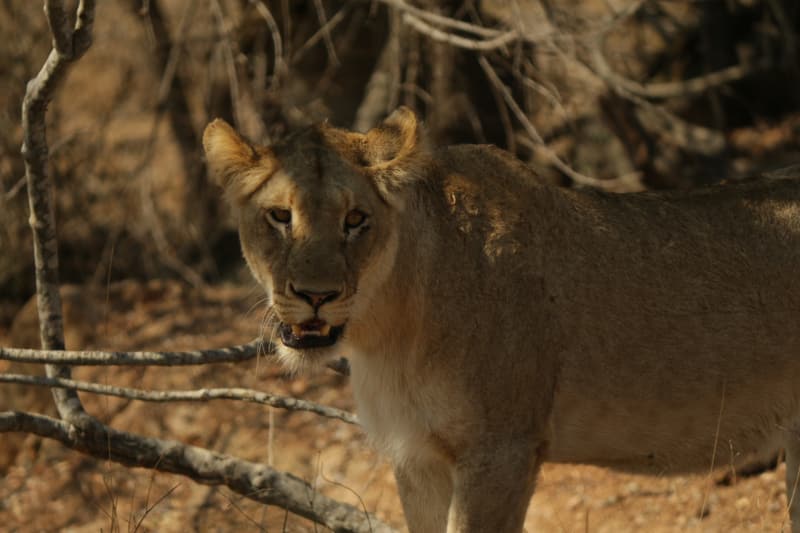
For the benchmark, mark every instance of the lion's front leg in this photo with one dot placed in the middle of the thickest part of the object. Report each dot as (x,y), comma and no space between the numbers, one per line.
(425,491)
(493,487)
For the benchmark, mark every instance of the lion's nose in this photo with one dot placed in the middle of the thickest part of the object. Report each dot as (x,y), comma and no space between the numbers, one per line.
(315,298)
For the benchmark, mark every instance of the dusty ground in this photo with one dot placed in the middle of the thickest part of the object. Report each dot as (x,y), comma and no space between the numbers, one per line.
(48,488)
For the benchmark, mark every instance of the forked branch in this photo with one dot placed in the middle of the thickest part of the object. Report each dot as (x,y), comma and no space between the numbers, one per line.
(69,44)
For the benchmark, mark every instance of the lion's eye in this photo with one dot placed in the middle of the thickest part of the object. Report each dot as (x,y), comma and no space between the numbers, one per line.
(280,216)
(354,219)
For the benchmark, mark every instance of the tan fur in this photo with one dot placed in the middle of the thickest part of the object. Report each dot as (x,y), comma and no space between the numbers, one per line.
(494,322)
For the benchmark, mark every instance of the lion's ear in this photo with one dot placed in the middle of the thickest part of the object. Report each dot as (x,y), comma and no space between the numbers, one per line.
(236,165)
(393,139)
(396,150)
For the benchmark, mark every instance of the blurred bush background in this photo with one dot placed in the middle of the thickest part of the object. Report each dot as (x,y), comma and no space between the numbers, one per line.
(643,94)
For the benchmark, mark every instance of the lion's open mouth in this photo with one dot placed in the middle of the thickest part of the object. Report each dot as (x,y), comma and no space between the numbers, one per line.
(314,333)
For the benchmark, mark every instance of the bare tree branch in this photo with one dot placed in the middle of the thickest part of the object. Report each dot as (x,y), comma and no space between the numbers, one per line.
(441,20)
(200,395)
(623,183)
(325,29)
(69,45)
(675,89)
(255,481)
(425,22)
(233,354)
(243,352)
(690,137)
(461,42)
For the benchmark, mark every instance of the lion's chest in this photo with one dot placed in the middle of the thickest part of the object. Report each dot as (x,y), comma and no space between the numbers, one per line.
(403,418)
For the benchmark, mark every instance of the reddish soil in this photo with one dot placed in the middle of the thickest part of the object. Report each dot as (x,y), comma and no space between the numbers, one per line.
(49,488)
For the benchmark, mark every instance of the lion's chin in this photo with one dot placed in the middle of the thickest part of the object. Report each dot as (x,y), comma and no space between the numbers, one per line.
(307,361)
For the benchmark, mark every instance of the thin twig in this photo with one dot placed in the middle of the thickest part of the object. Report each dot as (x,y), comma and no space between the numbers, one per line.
(175,50)
(505,118)
(326,33)
(14,190)
(452,39)
(550,93)
(230,61)
(149,508)
(676,89)
(198,395)
(280,68)
(160,239)
(324,30)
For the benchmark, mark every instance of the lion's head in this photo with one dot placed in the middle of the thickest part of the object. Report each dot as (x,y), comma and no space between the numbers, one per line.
(317,216)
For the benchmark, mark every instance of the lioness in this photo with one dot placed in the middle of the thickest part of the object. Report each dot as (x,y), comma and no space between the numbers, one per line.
(494,322)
